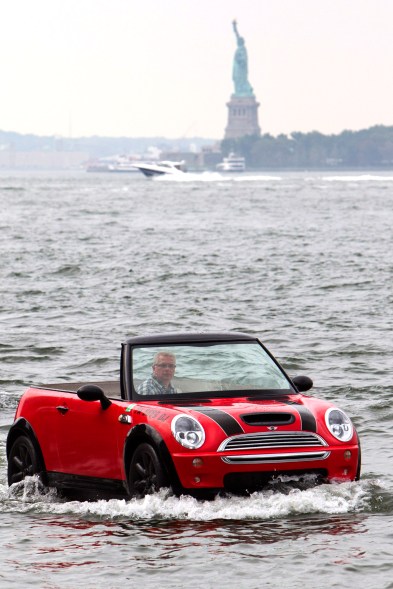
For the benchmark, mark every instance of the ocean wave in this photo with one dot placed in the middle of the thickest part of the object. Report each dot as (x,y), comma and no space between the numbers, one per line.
(215,177)
(359,178)
(340,498)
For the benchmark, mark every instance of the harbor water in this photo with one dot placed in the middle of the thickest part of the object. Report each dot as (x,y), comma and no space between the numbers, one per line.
(303,260)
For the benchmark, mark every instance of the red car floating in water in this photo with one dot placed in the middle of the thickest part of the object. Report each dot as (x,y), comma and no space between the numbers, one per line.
(193,412)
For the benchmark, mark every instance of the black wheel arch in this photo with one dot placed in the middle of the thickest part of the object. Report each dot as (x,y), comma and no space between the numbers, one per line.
(144,433)
(21,427)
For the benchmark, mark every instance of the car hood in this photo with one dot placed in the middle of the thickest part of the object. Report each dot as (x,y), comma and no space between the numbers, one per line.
(244,416)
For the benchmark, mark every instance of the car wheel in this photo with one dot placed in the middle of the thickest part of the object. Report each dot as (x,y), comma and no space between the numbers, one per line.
(146,474)
(23,460)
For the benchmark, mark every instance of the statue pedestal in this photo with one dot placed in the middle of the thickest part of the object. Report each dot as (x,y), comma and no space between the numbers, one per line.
(242,117)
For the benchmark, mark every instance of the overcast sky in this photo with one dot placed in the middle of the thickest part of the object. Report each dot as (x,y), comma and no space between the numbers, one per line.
(164,67)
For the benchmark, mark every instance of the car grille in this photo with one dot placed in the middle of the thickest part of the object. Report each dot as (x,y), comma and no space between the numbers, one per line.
(304,441)
(270,440)
(285,457)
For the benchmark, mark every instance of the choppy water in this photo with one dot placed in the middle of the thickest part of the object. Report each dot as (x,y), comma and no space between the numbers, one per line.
(303,260)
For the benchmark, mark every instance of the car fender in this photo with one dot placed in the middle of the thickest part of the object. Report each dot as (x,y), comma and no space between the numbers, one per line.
(22,427)
(146,433)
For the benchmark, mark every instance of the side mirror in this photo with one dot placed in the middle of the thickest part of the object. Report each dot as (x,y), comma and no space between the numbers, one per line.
(302,383)
(91,392)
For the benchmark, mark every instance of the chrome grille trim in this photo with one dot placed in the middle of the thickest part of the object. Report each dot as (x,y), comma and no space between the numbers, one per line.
(265,458)
(270,440)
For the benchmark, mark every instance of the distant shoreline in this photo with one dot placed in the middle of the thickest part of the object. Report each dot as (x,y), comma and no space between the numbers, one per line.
(350,150)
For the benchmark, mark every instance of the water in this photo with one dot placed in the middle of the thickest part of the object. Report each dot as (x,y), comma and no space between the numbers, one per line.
(303,260)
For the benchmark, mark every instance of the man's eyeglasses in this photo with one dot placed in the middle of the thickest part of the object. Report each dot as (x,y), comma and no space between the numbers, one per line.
(164,365)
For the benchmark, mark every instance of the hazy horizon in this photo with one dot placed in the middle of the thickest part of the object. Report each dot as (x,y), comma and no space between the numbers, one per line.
(125,69)
(179,138)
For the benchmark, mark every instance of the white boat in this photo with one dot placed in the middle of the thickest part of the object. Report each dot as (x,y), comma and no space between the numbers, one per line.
(112,164)
(160,168)
(232,163)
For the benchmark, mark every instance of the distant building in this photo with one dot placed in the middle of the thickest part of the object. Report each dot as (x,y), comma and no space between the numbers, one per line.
(207,158)
(242,107)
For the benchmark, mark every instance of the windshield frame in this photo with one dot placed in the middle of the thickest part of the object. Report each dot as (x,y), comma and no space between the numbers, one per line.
(206,396)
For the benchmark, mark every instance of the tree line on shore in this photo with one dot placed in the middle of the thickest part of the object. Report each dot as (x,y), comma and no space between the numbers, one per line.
(97,146)
(371,147)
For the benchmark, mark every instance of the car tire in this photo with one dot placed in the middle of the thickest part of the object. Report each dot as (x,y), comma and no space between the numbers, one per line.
(23,460)
(359,467)
(146,475)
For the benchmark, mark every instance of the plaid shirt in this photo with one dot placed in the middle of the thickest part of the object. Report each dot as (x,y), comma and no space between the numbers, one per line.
(151,386)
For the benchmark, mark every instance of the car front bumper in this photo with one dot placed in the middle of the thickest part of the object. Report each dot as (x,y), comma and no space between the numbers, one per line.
(213,470)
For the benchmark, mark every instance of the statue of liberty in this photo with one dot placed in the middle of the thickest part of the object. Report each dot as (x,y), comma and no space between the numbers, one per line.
(240,67)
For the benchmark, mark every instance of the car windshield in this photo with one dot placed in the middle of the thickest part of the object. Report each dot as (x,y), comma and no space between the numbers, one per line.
(205,368)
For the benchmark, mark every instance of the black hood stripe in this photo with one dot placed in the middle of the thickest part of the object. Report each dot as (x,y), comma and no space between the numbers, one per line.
(226,422)
(308,420)
(232,427)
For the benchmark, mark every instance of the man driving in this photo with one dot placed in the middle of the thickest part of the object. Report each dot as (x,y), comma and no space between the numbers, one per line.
(159,383)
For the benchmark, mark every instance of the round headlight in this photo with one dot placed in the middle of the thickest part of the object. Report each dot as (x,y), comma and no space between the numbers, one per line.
(339,425)
(188,431)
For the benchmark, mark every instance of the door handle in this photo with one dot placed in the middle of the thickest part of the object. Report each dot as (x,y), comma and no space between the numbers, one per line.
(61,409)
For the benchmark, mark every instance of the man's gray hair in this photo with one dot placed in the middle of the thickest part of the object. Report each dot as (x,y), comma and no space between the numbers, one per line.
(163,353)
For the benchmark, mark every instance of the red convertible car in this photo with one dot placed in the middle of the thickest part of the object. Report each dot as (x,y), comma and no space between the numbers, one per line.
(193,412)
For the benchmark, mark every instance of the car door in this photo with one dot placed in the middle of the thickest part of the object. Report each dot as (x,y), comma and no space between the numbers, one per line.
(87,437)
